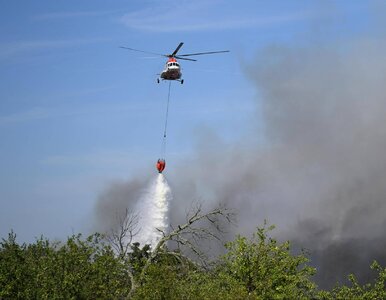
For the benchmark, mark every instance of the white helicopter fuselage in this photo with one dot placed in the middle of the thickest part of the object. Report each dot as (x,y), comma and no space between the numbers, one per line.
(172,70)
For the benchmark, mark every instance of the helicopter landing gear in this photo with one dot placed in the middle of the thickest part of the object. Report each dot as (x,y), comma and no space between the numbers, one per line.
(182,81)
(157,80)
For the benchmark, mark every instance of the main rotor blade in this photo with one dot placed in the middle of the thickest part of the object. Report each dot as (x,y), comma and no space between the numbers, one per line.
(175,51)
(185,58)
(147,52)
(202,53)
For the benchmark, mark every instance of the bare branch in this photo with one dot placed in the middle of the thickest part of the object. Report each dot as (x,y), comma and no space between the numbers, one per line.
(196,233)
(120,238)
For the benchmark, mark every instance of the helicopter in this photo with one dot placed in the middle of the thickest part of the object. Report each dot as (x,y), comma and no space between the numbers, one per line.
(172,70)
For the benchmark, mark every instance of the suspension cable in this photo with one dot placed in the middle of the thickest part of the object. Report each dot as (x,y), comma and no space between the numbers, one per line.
(163,150)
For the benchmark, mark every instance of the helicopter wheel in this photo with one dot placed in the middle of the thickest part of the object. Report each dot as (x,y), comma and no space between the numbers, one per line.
(157,80)
(182,81)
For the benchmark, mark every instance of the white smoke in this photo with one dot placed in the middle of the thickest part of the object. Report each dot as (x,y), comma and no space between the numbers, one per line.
(153,209)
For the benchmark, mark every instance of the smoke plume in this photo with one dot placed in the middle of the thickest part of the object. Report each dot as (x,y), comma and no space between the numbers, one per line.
(324,117)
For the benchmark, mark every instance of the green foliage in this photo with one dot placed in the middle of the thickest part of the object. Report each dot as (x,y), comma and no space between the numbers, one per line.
(171,278)
(138,258)
(256,268)
(78,269)
(368,291)
(211,285)
(267,269)
(159,282)
(259,268)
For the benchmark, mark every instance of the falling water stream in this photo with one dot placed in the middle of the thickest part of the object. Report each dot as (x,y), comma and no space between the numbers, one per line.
(153,210)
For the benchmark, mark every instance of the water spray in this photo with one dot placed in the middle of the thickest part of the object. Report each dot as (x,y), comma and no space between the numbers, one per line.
(154,208)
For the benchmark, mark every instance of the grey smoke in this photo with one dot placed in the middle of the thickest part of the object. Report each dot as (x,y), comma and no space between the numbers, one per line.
(113,202)
(318,168)
(324,111)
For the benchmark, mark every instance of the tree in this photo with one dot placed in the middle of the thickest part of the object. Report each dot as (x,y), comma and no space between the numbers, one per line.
(253,268)
(171,280)
(368,291)
(12,271)
(267,269)
(81,269)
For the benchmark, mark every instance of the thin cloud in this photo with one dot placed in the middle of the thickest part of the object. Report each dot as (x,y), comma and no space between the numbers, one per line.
(72,14)
(199,16)
(35,113)
(41,113)
(9,50)
(105,158)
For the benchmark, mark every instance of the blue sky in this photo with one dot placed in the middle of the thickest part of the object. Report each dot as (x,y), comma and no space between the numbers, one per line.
(77,112)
